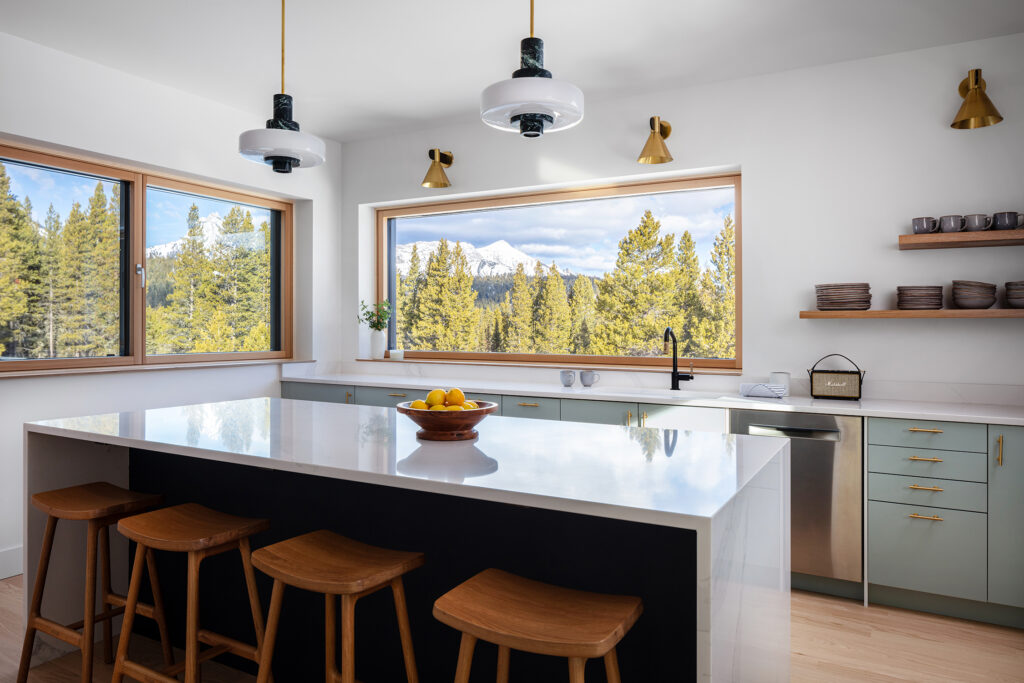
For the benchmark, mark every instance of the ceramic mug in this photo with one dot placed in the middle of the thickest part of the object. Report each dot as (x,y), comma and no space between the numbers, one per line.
(924,224)
(977,221)
(952,223)
(781,378)
(588,378)
(1007,220)
(568,378)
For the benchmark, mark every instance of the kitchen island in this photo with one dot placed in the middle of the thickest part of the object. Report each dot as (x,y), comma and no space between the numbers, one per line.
(695,523)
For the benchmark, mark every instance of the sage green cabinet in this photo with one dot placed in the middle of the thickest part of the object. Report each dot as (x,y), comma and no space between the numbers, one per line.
(531,406)
(941,493)
(684,417)
(946,436)
(386,397)
(309,391)
(1006,515)
(923,462)
(477,396)
(600,412)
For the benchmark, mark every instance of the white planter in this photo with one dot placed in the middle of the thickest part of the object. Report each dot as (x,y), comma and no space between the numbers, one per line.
(378,342)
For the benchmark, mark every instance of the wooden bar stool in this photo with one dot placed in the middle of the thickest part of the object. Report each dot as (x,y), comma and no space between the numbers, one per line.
(324,562)
(101,505)
(520,614)
(200,532)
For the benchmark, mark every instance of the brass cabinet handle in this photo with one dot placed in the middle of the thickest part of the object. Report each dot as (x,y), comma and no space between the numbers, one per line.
(348,397)
(629,418)
(924,488)
(529,405)
(914,457)
(999,458)
(933,518)
(643,420)
(927,431)
(398,395)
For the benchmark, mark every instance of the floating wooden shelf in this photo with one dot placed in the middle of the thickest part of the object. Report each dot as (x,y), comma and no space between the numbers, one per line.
(941,313)
(956,240)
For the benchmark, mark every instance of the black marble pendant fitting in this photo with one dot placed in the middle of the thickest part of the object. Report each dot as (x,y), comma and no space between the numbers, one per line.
(282,113)
(532,125)
(531,59)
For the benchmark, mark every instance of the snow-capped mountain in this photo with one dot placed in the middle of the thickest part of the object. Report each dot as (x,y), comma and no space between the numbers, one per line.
(497,258)
(211,232)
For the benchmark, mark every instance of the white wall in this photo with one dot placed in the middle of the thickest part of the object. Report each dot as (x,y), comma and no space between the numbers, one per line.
(836,160)
(63,102)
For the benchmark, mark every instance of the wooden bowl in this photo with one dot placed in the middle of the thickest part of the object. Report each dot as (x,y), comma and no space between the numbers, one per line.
(447,425)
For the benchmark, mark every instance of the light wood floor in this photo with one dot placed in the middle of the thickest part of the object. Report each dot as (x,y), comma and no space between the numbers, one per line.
(833,641)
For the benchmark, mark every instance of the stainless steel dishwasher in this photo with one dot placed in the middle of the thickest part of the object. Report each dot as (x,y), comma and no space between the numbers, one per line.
(826,491)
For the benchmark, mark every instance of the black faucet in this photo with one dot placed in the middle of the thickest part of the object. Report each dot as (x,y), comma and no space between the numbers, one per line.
(676,375)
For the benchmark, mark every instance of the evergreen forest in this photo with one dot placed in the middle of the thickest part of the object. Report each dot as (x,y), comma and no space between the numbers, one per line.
(657,282)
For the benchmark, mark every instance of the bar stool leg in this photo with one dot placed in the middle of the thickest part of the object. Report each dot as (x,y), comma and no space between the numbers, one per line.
(108,631)
(466,648)
(158,608)
(254,596)
(89,620)
(611,667)
(192,620)
(267,653)
(576,668)
(503,660)
(330,637)
(348,639)
(404,631)
(131,602)
(37,599)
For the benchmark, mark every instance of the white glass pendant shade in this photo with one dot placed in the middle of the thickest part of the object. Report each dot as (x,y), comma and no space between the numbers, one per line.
(261,144)
(560,100)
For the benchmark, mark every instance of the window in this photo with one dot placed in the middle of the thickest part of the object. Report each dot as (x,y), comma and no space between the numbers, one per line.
(590,276)
(101,265)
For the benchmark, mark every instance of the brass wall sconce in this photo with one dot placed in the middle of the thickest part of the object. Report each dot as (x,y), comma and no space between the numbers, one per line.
(977,111)
(655,151)
(435,174)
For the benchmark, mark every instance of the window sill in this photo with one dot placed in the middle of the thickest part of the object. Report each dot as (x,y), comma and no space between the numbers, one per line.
(597,366)
(13,374)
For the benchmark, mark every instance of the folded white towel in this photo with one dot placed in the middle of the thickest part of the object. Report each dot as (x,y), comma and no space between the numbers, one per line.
(763,390)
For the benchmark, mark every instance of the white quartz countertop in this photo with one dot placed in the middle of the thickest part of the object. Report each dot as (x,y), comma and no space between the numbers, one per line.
(911,410)
(666,477)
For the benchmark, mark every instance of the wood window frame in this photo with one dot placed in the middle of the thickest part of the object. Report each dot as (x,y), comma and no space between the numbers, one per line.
(138,180)
(384,214)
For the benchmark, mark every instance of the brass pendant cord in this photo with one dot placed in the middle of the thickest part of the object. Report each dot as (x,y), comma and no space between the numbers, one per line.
(282,46)
(531,17)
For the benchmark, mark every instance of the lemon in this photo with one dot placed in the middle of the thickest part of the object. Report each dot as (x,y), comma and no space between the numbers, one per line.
(436,397)
(455,397)
(439,406)
(419,405)
(470,405)
(454,407)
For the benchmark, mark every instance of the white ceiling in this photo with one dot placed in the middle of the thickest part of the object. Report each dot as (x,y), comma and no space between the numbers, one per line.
(356,68)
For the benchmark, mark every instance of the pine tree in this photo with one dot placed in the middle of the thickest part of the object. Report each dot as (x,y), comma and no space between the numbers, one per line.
(687,300)
(74,338)
(551,332)
(192,298)
(635,300)
(13,294)
(519,335)
(582,312)
(714,336)
(49,261)
(407,304)
(446,315)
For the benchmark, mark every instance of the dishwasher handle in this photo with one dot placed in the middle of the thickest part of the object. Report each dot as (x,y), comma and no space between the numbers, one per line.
(790,432)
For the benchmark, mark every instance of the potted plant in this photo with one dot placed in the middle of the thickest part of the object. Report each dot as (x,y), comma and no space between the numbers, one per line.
(377,317)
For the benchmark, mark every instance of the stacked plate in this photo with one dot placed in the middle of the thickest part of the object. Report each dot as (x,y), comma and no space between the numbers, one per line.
(844,296)
(969,294)
(1015,294)
(919,298)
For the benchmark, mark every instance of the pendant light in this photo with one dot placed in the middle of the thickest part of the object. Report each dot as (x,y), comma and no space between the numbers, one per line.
(977,111)
(531,102)
(281,144)
(436,177)
(655,151)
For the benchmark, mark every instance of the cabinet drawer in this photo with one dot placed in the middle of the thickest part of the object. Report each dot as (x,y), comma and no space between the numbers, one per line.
(945,557)
(684,417)
(386,397)
(940,493)
(477,396)
(922,462)
(600,412)
(307,391)
(946,436)
(531,406)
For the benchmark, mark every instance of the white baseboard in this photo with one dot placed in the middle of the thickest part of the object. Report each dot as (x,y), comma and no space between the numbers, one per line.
(10,561)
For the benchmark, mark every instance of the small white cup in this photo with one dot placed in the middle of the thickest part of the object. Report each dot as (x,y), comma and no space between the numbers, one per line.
(397,354)
(588,377)
(568,377)
(780,378)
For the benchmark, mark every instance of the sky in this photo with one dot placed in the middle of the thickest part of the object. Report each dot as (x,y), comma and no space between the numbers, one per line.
(166,211)
(580,236)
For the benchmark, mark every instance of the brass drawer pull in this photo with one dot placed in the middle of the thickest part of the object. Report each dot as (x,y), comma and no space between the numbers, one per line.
(348,397)
(643,420)
(933,518)
(917,459)
(529,405)
(924,488)
(629,418)
(398,395)
(999,460)
(927,431)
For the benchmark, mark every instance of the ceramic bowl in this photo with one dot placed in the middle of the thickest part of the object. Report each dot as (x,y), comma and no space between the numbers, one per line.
(447,425)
